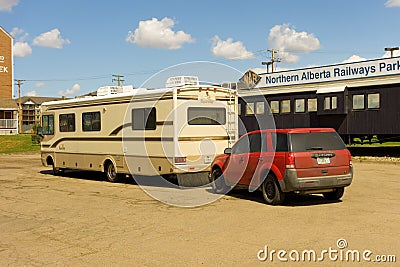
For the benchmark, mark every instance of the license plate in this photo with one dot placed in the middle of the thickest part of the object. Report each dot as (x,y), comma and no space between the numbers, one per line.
(323,160)
(207,160)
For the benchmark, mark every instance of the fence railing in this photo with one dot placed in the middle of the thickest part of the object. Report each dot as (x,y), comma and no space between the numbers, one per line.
(8,124)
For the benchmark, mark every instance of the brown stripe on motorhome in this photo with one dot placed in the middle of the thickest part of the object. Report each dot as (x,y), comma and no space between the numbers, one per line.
(114,139)
(200,138)
(119,128)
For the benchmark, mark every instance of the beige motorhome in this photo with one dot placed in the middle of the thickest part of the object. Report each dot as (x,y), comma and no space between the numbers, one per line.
(172,131)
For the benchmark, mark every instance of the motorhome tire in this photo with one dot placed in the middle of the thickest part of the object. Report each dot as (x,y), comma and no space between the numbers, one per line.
(111,174)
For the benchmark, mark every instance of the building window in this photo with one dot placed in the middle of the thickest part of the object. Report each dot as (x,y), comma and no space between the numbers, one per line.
(48,124)
(249,108)
(330,102)
(67,122)
(260,108)
(374,101)
(285,106)
(91,121)
(300,105)
(312,105)
(144,119)
(358,102)
(206,116)
(274,107)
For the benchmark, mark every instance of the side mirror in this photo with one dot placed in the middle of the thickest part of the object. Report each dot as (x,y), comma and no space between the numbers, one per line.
(228,151)
(39,130)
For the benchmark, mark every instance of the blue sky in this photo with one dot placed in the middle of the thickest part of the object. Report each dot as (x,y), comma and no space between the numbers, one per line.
(73,47)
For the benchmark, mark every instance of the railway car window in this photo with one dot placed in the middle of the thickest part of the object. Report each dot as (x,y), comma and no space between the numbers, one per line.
(330,102)
(274,106)
(250,109)
(260,108)
(358,102)
(312,105)
(67,122)
(300,105)
(91,121)
(285,106)
(334,102)
(144,119)
(48,124)
(374,101)
(206,116)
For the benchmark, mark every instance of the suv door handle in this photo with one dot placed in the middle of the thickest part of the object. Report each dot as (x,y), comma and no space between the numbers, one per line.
(260,159)
(241,159)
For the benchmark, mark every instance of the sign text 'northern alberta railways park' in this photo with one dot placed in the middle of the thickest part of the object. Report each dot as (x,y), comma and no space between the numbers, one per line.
(346,71)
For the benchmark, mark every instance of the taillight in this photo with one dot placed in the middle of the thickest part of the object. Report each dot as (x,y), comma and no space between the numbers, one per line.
(290,161)
(349,156)
(180,160)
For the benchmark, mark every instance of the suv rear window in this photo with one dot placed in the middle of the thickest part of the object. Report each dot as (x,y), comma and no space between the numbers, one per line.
(302,142)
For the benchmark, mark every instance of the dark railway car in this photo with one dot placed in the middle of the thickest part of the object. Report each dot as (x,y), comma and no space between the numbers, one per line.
(354,112)
(357,106)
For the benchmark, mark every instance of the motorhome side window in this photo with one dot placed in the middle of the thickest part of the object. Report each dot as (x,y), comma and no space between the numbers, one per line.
(48,124)
(206,116)
(67,122)
(144,119)
(91,121)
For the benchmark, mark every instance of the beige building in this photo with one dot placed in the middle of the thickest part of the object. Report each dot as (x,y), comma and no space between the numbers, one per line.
(31,110)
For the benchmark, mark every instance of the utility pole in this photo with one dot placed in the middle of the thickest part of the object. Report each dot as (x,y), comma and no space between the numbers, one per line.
(273,60)
(391,50)
(19,83)
(118,79)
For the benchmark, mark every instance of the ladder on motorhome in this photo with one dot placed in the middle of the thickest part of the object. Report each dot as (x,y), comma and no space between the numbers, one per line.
(232,120)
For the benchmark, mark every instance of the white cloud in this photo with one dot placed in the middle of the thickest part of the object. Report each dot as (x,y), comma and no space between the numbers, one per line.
(74,90)
(19,34)
(229,49)
(22,49)
(31,93)
(7,5)
(39,84)
(158,34)
(354,58)
(50,39)
(392,3)
(288,41)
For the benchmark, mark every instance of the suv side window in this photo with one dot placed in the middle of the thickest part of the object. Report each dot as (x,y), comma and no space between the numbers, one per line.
(280,142)
(242,146)
(257,142)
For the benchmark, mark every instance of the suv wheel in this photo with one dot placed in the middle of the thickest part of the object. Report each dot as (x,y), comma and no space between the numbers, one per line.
(336,194)
(218,182)
(271,192)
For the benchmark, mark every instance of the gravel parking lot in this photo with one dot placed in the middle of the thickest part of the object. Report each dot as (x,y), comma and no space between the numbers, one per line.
(81,220)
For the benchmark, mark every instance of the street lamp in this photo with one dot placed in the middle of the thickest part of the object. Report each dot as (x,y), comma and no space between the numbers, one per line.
(391,49)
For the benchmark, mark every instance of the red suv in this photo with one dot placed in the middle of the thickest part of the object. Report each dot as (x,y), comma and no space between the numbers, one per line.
(303,161)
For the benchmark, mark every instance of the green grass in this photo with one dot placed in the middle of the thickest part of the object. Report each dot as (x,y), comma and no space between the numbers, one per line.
(17,143)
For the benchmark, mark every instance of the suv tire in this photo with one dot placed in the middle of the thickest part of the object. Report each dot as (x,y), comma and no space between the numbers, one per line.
(271,192)
(218,183)
(336,194)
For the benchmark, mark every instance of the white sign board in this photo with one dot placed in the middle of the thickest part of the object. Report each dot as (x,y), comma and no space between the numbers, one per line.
(340,72)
